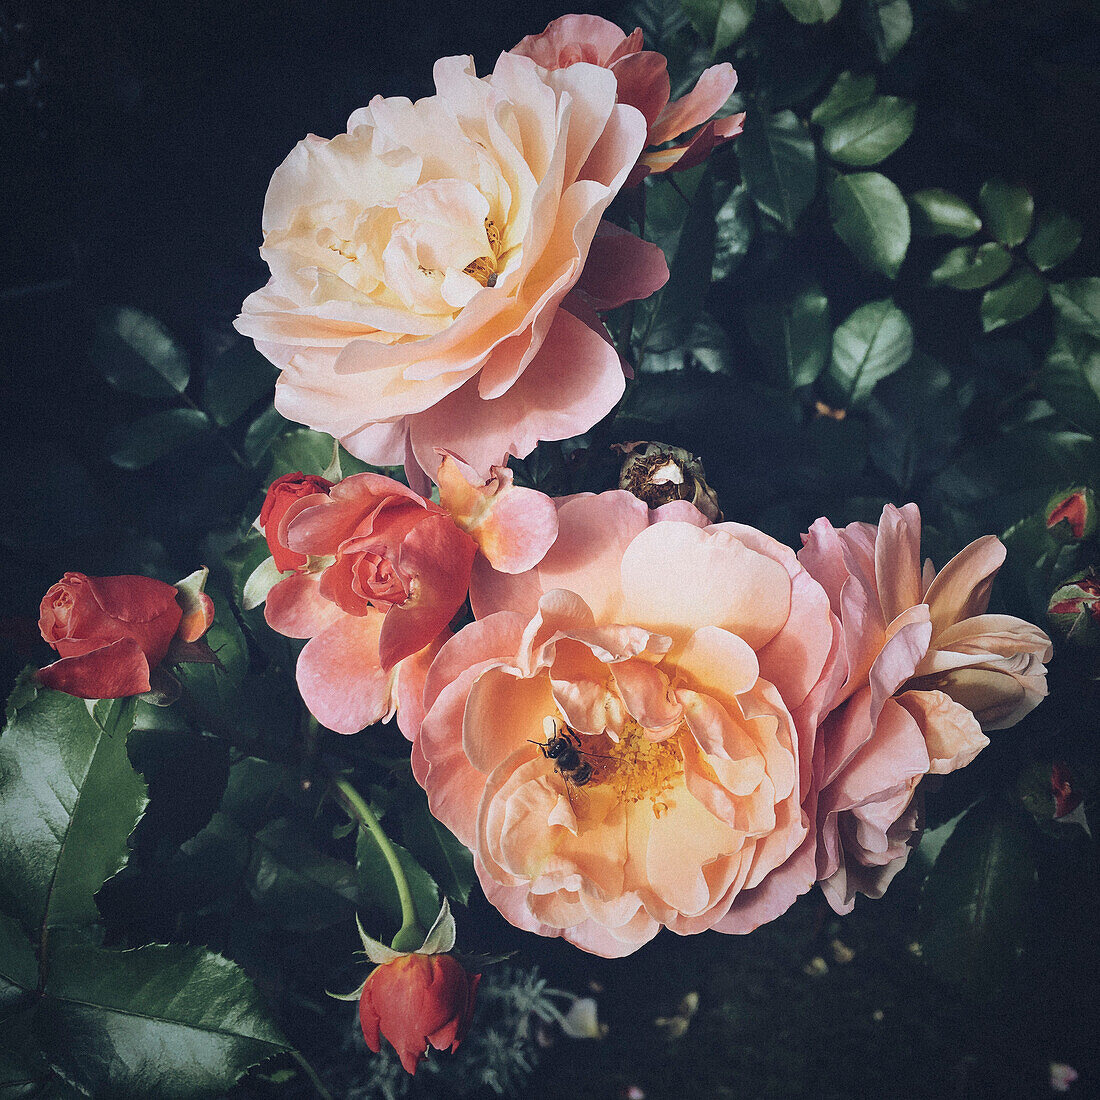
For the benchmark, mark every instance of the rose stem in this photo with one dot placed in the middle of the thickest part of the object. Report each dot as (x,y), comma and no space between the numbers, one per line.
(311,1073)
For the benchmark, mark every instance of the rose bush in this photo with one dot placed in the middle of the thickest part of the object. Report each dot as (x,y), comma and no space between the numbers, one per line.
(422,265)
(110,633)
(686,663)
(927,672)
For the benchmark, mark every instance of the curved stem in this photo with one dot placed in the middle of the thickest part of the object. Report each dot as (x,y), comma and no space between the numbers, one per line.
(410,936)
(311,1073)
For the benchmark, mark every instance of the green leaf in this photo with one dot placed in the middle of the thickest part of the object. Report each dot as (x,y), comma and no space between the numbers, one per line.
(69,800)
(1054,239)
(1070,380)
(262,432)
(1020,294)
(812,11)
(216,690)
(936,212)
(889,23)
(871,344)
(795,333)
(1077,302)
(301,449)
(719,22)
(161,1022)
(134,446)
(18,965)
(1007,208)
(871,218)
(970,267)
(297,885)
(847,92)
(735,228)
(779,165)
(871,131)
(137,354)
(378,890)
(977,896)
(235,380)
(444,856)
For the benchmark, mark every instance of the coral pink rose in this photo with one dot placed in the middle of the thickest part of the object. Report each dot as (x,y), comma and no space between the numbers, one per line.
(681,664)
(642,77)
(281,495)
(927,671)
(110,632)
(421,264)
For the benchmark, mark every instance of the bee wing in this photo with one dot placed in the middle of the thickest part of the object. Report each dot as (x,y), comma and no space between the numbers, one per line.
(578,799)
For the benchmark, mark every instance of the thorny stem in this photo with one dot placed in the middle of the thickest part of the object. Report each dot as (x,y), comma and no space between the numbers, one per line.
(410,935)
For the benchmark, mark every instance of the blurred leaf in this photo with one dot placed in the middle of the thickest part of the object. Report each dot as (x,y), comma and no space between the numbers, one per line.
(444,856)
(812,11)
(137,354)
(719,22)
(871,344)
(164,1022)
(300,450)
(69,800)
(262,432)
(977,896)
(870,131)
(297,885)
(889,23)
(970,267)
(1007,208)
(847,92)
(795,333)
(378,890)
(1020,294)
(660,21)
(1077,302)
(134,446)
(1054,239)
(235,381)
(216,690)
(871,218)
(936,212)
(1070,380)
(779,165)
(735,227)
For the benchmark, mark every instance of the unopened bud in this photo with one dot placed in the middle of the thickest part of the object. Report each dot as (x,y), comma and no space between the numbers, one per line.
(1074,609)
(659,474)
(1071,515)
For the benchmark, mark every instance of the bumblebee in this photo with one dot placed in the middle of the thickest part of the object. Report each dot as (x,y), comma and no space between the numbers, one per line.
(563,746)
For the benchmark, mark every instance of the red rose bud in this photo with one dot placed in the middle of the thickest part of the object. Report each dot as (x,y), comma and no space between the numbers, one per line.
(1066,799)
(1074,609)
(109,631)
(416,1000)
(282,496)
(1071,515)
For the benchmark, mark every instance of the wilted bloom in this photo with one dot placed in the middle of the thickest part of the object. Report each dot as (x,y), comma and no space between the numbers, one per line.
(643,82)
(111,632)
(1074,608)
(659,474)
(624,735)
(282,493)
(1071,515)
(422,264)
(927,672)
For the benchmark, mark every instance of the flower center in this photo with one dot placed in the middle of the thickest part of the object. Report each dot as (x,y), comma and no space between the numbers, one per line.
(484,268)
(640,768)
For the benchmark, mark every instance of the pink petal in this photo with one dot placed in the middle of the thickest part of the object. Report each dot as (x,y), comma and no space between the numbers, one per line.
(620,268)
(643,83)
(951,732)
(961,589)
(115,671)
(711,91)
(296,609)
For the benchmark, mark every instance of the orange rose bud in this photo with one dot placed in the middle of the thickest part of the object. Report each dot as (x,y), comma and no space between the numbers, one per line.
(283,493)
(1071,515)
(1074,608)
(416,1000)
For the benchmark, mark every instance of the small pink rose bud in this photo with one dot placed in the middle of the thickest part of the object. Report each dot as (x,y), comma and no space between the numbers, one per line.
(1074,609)
(659,474)
(1071,515)
(1066,797)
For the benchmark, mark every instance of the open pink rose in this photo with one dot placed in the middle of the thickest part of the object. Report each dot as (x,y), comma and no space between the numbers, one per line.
(927,671)
(681,667)
(422,263)
(110,632)
(642,77)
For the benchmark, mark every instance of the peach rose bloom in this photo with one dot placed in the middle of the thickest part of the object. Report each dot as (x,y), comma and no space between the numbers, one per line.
(928,671)
(682,666)
(643,81)
(422,264)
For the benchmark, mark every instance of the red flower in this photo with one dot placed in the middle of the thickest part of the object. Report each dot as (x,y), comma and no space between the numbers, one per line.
(109,631)
(1066,799)
(282,495)
(1071,516)
(416,1000)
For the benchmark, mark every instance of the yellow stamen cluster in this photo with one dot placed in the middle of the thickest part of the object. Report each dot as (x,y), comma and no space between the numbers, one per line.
(484,268)
(640,768)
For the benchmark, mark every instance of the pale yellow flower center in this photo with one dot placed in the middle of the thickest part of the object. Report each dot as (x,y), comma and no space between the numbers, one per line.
(484,268)
(639,768)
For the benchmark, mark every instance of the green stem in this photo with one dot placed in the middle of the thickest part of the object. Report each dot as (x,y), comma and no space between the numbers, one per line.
(410,936)
(311,1073)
